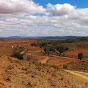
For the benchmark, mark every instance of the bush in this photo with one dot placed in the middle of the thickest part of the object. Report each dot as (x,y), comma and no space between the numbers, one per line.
(80,56)
(29,57)
(65,66)
(17,52)
(62,49)
(17,55)
(52,49)
(46,50)
(43,45)
(34,44)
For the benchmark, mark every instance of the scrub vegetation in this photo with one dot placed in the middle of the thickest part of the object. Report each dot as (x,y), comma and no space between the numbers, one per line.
(44,63)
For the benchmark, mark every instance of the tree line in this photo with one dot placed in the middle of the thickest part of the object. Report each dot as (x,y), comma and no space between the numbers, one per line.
(53,46)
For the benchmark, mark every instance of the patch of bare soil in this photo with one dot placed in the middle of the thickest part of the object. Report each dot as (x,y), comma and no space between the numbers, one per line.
(45,60)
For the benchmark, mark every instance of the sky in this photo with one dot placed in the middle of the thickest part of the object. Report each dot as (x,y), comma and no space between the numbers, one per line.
(78,3)
(32,18)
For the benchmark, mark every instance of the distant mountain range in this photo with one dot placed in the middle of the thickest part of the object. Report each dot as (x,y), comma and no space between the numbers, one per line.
(41,37)
(60,37)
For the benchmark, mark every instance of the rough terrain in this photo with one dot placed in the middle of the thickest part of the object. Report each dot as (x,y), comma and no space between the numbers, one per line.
(16,73)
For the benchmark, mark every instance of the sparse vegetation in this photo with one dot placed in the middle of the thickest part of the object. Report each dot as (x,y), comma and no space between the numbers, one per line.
(46,68)
(34,44)
(51,46)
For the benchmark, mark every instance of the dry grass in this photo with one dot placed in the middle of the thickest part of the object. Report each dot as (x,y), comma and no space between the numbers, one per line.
(16,73)
(23,74)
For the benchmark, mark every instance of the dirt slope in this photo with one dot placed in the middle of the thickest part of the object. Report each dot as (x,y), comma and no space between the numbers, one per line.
(16,73)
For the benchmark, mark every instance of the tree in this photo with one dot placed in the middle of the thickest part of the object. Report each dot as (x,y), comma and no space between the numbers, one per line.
(46,50)
(17,52)
(61,49)
(34,44)
(43,45)
(80,56)
(17,55)
(51,49)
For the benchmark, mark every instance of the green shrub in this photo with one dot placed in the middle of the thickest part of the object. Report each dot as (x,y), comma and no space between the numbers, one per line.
(17,52)
(29,58)
(65,66)
(34,44)
(80,56)
(43,45)
(62,49)
(17,55)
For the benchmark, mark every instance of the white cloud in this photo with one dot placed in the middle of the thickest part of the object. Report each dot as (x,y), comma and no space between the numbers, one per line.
(60,9)
(18,7)
(59,20)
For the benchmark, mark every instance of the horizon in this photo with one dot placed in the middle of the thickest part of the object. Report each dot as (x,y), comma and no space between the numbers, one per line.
(43,18)
(47,36)
(43,37)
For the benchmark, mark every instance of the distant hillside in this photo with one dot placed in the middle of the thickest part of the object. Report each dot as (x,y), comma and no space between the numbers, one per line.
(41,37)
(60,37)
(80,39)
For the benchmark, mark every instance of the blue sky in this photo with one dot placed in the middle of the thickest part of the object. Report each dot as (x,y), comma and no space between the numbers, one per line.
(78,3)
(43,18)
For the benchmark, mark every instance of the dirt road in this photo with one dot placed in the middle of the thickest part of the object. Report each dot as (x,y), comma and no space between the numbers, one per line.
(45,60)
(62,57)
(80,74)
